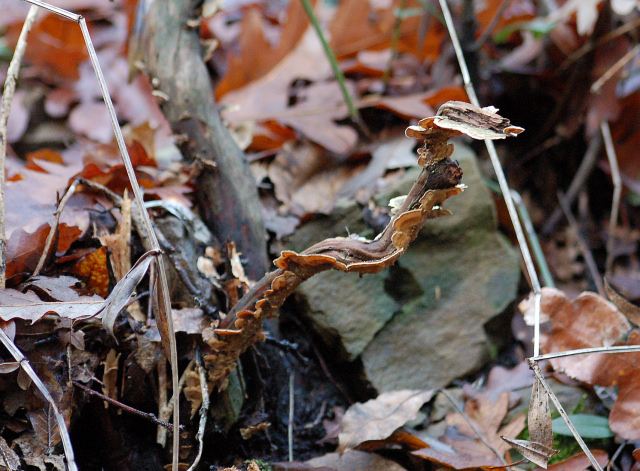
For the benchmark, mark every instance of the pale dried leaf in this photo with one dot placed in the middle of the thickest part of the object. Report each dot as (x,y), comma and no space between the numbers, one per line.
(45,426)
(110,376)
(378,418)
(540,429)
(35,453)
(59,288)
(9,367)
(28,307)
(122,292)
(535,452)
(8,457)
(353,460)
(23,380)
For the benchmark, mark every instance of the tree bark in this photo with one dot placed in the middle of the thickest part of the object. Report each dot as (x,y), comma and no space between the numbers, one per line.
(165,44)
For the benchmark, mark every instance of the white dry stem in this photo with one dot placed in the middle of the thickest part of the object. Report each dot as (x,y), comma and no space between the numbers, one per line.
(5,109)
(62,426)
(587,351)
(617,191)
(291,409)
(164,308)
(504,186)
(536,370)
(54,226)
(168,409)
(204,411)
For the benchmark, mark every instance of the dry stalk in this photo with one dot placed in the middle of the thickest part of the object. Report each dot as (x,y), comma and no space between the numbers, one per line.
(504,186)
(5,109)
(161,294)
(617,191)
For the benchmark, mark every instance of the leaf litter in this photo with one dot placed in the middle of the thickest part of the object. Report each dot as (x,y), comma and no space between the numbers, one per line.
(260,79)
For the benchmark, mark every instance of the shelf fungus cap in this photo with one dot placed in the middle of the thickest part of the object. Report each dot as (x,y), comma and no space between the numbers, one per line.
(464,118)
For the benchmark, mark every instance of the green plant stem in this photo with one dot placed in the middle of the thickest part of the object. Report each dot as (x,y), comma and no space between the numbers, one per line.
(394,43)
(534,242)
(353,111)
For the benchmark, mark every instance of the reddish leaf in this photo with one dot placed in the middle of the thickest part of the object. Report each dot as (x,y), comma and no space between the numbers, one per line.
(589,321)
(580,462)
(24,249)
(56,45)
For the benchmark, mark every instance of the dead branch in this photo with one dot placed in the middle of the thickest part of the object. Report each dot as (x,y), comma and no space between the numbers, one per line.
(439,180)
(167,47)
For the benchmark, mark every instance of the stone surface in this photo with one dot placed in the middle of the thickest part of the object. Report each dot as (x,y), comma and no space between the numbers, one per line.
(420,323)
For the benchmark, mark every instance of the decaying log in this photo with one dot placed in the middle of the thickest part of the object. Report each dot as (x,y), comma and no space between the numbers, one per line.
(440,179)
(165,44)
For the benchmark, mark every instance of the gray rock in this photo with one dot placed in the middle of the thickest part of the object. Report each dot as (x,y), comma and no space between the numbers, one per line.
(420,323)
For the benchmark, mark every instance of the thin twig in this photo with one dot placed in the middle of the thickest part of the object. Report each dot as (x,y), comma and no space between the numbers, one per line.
(587,351)
(491,26)
(473,425)
(54,227)
(617,191)
(561,411)
(170,405)
(589,46)
(163,409)
(583,172)
(62,426)
(615,68)
(291,409)
(145,415)
(582,244)
(204,410)
(7,96)
(164,303)
(353,111)
(504,186)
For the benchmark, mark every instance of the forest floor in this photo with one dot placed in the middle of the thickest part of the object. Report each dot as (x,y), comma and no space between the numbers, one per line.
(336,381)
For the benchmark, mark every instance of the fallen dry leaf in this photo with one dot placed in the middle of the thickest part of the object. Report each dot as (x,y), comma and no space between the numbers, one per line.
(353,460)
(29,307)
(257,57)
(122,292)
(589,321)
(378,418)
(540,448)
(580,462)
(471,452)
(593,322)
